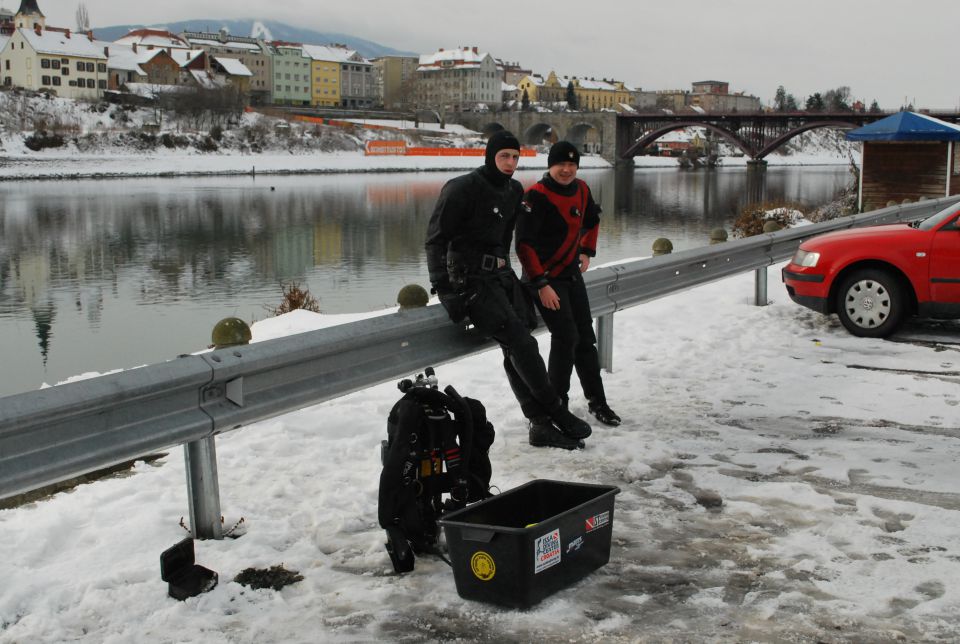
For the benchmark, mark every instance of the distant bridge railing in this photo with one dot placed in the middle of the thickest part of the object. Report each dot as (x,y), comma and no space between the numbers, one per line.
(58,433)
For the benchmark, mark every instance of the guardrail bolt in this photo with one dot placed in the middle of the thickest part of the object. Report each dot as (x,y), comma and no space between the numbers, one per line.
(771,226)
(230,332)
(412,296)
(662,246)
(718,235)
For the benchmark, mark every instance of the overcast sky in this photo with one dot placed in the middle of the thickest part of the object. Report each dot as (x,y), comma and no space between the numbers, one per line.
(884,50)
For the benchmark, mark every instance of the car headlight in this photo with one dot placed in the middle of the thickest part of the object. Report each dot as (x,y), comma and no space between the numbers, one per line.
(806,258)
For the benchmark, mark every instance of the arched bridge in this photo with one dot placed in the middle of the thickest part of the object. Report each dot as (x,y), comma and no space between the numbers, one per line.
(620,137)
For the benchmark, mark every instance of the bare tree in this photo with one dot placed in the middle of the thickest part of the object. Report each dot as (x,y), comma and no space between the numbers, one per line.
(83,18)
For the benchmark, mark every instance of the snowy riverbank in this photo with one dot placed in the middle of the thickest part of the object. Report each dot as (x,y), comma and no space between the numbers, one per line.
(781,480)
(51,165)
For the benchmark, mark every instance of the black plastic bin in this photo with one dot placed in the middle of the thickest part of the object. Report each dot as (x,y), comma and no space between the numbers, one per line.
(520,546)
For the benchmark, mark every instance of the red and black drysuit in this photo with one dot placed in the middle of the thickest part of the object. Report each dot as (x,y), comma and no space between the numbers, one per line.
(556,224)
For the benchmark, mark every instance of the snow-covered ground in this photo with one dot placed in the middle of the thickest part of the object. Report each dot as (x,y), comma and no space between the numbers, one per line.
(780,480)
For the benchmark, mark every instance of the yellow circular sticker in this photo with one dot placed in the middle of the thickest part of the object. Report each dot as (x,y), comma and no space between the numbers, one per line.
(482,566)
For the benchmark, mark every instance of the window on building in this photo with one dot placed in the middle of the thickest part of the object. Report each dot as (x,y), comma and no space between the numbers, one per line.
(102,68)
(79,65)
(65,71)
(91,84)
(74,83)
(54,64)
(44,80)
(55,80)
(64,61)
(89,67)
(102,84)
(44,63)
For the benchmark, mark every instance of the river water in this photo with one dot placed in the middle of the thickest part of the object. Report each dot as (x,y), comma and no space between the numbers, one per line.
(104,275)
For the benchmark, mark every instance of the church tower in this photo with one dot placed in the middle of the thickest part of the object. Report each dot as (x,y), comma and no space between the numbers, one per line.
(29,16)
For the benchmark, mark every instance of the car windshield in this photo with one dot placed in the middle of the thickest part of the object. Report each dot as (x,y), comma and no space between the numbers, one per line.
(933,221)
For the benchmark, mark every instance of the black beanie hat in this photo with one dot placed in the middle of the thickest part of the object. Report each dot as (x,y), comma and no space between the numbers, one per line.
(563,151)
(502,140)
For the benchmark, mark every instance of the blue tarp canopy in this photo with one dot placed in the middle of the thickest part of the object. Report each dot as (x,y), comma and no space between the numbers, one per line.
(906,126)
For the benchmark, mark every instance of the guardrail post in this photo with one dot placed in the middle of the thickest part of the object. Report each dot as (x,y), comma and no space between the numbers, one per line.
(760,287)
(203,488)
(605,341)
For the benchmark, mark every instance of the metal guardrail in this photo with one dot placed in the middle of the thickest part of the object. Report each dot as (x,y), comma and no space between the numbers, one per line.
(53,434)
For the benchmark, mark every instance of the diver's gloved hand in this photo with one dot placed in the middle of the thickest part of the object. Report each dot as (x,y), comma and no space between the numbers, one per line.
(455,304)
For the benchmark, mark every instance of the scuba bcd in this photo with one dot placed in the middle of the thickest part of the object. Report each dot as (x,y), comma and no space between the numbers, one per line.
(437,445)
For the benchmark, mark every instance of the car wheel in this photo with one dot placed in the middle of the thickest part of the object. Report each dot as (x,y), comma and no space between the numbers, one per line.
(871,303)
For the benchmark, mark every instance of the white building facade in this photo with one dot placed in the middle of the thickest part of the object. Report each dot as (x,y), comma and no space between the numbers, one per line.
(458,80)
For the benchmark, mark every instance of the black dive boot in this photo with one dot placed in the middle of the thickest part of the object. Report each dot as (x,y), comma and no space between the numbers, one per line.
(544,434)
(604,414)
(568,423)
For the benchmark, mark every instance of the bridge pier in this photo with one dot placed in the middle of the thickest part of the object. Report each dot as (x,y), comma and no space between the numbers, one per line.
(757,165)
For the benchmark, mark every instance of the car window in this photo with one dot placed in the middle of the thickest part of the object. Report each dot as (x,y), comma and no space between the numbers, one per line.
(933,221)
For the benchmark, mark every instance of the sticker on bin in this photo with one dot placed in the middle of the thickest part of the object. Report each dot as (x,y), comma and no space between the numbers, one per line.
(547,551)
(482,566)
(597,521)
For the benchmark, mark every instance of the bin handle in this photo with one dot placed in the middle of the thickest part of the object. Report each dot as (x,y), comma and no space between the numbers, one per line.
(476,534)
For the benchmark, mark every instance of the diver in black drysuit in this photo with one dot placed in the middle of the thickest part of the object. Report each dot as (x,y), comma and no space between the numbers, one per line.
(468,256)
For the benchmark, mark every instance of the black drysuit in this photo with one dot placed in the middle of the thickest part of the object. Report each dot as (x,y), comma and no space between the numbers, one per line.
(468,257)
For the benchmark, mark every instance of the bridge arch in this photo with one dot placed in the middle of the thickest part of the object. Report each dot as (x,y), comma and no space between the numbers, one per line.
(492,128)
(783,138)
(653,135)
(580,135)
(539,133)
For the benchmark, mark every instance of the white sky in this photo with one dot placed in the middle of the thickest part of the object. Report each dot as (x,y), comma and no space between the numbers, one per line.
(884,50)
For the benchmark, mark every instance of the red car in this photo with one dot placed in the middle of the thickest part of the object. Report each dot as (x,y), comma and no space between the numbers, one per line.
(875,277)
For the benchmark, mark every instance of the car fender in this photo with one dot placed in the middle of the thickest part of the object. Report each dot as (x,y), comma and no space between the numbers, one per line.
(836,276)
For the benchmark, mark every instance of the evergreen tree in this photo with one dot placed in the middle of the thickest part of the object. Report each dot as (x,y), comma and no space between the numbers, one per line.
(525,101)
(780,99)
(874,107)
(815,103)
(784,102)
(837,100)
(571,97)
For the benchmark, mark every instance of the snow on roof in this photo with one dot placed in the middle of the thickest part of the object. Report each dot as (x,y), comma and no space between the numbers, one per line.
(333,54)
(207,80)
(592,84)
(57,42)
(698,109)
(185,56)
(212,42)
(124,58)
(233,67)
(626,108)
(452,59)
(153,38)
(507,87)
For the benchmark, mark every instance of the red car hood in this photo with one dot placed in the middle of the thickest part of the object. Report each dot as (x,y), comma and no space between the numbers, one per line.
(867,235)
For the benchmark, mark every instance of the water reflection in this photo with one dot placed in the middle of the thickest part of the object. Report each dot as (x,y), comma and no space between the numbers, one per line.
(97,275)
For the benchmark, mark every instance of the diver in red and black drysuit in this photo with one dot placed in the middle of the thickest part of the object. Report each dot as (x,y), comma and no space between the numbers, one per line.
(556,236)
